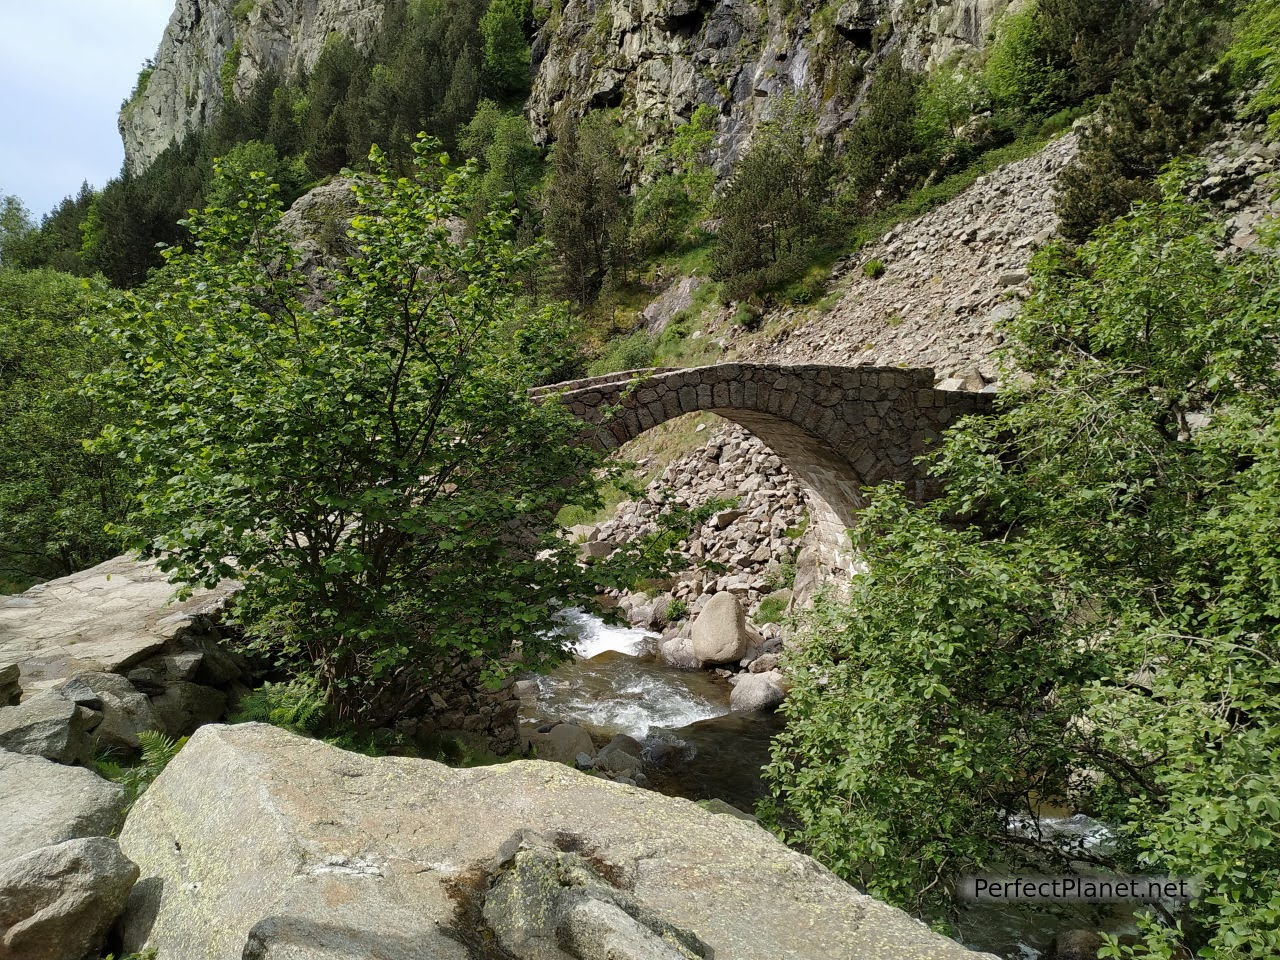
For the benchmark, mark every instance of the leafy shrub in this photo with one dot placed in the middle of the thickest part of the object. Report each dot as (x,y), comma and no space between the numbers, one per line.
(635,351)
(390,547)
(296,705)
(1089,536)
(771,610)
(157,751)
(677,610)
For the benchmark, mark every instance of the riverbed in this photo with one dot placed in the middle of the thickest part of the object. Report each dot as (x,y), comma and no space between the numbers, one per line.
(696,747)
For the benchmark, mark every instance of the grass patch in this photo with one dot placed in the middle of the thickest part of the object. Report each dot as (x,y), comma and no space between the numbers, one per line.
(771,610)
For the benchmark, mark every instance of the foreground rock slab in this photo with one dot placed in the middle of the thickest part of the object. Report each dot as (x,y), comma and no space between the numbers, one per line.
(57,902)
(43,803)
(258,843)
(104,619)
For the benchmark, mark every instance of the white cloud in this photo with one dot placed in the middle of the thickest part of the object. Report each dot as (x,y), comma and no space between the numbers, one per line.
(65,67)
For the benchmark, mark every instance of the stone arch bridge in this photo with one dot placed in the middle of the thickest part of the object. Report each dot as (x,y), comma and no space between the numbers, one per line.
(838,429)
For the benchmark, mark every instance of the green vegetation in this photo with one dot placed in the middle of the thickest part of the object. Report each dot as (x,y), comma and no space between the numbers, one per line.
(157,751)
(873,269)
(55,498)
(586,208)
(1086,618)
(392,409)
(771,610)
(1167,102)
(1255,57)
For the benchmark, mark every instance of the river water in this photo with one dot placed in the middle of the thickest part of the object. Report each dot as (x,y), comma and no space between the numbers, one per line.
(696,747)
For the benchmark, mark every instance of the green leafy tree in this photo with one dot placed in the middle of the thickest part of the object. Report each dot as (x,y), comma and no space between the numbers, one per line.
(772,207)
(507,70)
(371,468)
(55,498)
(668,208)
(1166,103)
(17,233)
(1087,617)
(585,205)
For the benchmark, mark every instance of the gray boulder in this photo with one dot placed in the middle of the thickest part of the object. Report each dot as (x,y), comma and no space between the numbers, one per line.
(621,756)
(42,803)
(185,706)
(721,634)
(563,742)
(10,689)
(757,691)
(47,725)
(57,902)
(678,652)
(258,843)
(126,711)
(550,904)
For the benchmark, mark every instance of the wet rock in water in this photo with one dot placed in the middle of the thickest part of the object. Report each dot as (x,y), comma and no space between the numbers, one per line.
(621,756)
(678,652)
(716,805)
(256,843)
(563,743)
(1075,945)
(757,691)
(57,902)
(43,803)
(47,725)
(720,634)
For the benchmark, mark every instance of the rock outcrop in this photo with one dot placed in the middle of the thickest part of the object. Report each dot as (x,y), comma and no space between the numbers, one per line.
(108,653)
(208,41)
(658,61)
(43,803)
(257,843)
(949,277)
(57,902)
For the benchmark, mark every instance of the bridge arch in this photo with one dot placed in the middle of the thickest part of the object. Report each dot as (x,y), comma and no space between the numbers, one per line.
(838,429)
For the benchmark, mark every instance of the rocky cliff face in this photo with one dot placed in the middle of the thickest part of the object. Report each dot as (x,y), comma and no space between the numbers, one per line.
(657,60)
(209,41)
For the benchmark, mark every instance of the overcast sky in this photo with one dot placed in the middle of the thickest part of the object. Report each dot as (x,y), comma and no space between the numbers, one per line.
(65,66)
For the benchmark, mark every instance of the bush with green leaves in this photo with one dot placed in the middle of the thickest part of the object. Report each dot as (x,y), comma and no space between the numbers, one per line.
(1086,618)
(55,497)
(1166,103)
(370,467)
(157,751)
(669,207)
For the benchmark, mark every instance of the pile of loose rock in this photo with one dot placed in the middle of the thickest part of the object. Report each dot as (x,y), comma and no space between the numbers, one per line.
(947,279)
(739,549)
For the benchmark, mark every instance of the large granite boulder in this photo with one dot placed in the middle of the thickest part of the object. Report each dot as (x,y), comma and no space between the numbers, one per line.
(126,711)
(43,803)
(758,691)
(258,843)
(721,634)
(57,902)
(47,725)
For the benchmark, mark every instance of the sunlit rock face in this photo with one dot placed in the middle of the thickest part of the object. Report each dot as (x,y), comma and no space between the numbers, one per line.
(658,60)
(207,40)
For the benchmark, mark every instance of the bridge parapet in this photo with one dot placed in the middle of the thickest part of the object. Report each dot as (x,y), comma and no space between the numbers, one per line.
(839,429)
